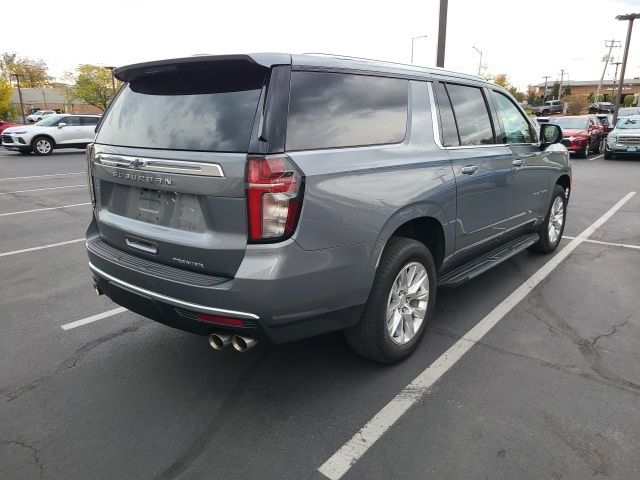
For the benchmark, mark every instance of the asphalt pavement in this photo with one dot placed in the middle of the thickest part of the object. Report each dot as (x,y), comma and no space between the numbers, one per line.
(550,391)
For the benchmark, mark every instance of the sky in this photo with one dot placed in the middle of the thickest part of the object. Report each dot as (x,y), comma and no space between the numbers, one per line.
(524,39)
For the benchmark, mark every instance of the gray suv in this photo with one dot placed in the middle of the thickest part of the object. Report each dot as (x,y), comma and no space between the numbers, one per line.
(275,196)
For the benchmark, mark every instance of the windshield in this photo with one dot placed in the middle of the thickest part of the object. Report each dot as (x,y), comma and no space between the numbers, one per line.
(206,112)
(628,123)
(571,123)
(49,121)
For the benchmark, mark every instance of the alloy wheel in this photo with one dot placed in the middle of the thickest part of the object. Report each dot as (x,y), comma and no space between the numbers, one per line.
(407,303)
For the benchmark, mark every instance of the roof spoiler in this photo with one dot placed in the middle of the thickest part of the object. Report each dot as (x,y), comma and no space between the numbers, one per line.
(200,63)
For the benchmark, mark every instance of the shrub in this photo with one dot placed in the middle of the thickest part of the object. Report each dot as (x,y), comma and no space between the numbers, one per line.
(576,104)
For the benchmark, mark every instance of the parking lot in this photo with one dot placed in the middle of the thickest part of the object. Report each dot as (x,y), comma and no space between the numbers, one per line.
(552,391)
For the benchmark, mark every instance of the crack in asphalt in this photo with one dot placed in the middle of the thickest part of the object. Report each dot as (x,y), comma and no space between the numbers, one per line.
(614,330)
(34,452)
(68,363)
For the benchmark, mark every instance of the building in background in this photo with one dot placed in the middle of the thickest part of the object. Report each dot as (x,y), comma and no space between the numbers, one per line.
(49,98)
(588,87)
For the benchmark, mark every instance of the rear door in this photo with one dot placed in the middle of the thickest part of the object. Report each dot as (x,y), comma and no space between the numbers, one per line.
(482,168)
(169,165)
(88,128)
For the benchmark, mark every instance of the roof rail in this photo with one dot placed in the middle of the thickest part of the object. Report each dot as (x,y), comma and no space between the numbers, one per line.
(349,57)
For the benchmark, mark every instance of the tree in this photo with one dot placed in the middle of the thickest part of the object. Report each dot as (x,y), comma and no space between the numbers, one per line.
(502,80)
(577,104)
(531,94)
(6,109)
(566,90)
(34,73)
(628,100)
(92,84)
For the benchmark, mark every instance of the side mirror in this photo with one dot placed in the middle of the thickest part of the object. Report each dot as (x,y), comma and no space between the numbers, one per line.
(62,124)
(549,134)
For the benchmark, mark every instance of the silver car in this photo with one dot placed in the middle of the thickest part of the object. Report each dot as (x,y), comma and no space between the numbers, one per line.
(624,139)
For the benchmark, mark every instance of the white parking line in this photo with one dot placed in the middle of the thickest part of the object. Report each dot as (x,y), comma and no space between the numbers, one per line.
(42,247)
(42,176)
(341,461)
(93,318)
(44,209)
(41,189)
(611,244)
(595,158)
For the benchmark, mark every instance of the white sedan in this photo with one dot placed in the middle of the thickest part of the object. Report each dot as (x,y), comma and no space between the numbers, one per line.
(55,131)
(39,115)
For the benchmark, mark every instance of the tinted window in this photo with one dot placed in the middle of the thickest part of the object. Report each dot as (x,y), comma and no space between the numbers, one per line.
(515,124)
(205,112)
(71,121)
(472,117)
(89,120)
(447,120)
(338,110)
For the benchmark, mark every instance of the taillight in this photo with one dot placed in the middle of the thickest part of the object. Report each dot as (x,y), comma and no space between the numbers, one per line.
(274,197)
(89,158)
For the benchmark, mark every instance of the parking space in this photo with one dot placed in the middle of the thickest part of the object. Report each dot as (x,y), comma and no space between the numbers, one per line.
(552,389)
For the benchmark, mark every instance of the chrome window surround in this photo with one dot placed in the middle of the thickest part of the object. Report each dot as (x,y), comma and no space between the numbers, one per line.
(170,300)
(436,128)
(159,165)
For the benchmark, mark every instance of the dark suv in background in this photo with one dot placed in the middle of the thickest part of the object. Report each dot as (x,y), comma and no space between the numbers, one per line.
(300,194)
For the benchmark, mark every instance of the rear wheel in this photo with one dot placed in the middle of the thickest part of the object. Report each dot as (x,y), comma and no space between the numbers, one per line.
(42,146)
(400,303)
(551,229)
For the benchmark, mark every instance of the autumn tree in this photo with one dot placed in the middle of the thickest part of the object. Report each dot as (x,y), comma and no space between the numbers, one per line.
(6,109)
(577,104)
(33,73)
(502,80)
(531,95)
(92,84)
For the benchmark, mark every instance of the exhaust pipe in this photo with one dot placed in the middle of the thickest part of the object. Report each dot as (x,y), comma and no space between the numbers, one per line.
(242,344)
(218,341)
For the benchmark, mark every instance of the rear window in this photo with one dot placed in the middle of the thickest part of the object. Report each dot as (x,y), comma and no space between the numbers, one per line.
(205,112)
(330,110)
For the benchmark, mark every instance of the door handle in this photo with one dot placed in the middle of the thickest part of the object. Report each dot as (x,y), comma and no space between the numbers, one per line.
(142,245)
(469,169)
(517,163)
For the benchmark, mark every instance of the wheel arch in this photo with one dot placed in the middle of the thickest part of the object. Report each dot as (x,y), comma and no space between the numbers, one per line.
(45,135)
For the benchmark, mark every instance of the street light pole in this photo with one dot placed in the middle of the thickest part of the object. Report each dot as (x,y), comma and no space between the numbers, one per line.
(615,78)
(442,33)
(480,62)
(413,39)
(630,18)
(17,75)
(113,82)
(546,77)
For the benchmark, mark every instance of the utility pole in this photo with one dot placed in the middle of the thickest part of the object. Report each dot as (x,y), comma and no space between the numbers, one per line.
(480,62)
(615,78)
(610,44)
(560,87)
(113,83)
(630,18)
(546,77)
(442,33)
(17,75)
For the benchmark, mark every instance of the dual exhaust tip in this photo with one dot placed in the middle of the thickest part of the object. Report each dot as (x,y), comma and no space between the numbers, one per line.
(220,340)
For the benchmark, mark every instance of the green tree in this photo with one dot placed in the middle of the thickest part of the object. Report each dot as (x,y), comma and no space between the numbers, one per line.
(33,73)
(6,109)
(92,84)
(531,94)
(628,100)
(502,80)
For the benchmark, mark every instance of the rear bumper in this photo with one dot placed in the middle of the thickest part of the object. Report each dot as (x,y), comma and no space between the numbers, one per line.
(282,292)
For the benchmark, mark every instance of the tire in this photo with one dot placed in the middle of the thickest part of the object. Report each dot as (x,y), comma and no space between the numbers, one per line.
(371,337)
(25,151)
(584,152)
(39,145)
(548,242)
(545,113)
(600,146)
(608,155)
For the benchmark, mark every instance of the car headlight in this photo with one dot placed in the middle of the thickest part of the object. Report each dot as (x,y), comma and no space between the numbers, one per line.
(18,133)
(571,139)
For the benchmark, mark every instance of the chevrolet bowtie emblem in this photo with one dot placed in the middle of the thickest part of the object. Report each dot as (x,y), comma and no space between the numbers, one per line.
(137,163)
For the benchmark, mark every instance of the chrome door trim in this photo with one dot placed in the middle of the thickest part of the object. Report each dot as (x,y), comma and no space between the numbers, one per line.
(170,300)
(159,165)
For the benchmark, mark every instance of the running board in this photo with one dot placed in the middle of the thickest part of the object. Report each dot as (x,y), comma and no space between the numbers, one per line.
(489,260)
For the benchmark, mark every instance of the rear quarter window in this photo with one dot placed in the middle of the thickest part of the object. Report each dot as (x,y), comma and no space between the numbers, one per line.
(331,110)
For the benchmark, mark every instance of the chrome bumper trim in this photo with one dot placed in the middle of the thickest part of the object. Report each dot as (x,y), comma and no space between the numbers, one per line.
(170,300)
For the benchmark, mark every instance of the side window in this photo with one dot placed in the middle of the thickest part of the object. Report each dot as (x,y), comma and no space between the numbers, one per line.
(472,116)
(447,120)
(72,121)
(89,120)
(516,126)
(329,110)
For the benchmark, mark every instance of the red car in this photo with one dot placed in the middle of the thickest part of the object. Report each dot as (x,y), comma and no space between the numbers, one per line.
(582,134)
(4,125)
